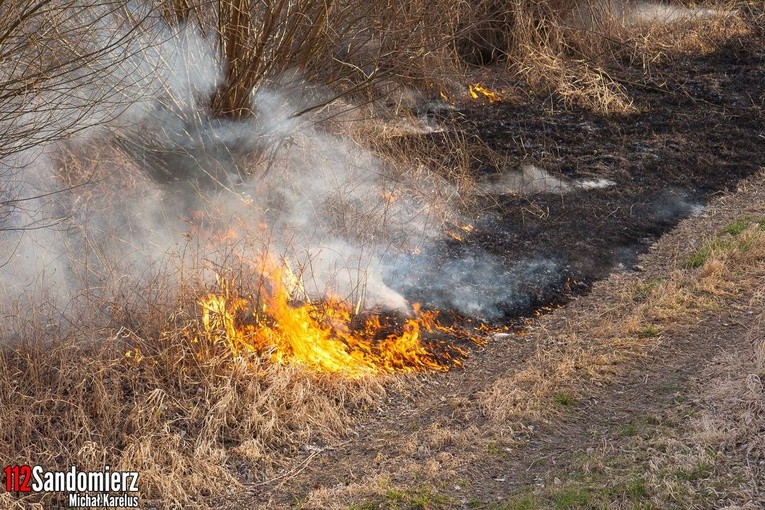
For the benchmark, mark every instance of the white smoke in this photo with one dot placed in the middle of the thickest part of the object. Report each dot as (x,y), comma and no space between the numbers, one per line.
(154,179)
(157,190)
(530,180)
(592,14)
(476,282)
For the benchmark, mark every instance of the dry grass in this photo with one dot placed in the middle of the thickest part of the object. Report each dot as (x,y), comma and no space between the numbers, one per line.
(188,424)
(143,399)
(574,358)
(719,454)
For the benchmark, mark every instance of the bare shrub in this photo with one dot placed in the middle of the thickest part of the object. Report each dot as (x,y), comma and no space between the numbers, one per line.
(56,67)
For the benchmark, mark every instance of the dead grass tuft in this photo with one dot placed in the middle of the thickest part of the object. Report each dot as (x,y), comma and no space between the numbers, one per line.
(142,399)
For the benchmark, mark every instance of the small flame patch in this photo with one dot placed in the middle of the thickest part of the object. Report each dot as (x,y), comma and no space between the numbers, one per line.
(478,91)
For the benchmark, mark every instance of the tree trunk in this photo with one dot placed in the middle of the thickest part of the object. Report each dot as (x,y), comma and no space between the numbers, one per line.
(232,98)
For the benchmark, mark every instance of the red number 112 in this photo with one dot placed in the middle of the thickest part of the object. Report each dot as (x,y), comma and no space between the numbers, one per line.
(17,478)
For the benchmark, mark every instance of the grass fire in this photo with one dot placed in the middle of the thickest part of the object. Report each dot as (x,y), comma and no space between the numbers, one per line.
(478,91)
(326,336)
(339,255)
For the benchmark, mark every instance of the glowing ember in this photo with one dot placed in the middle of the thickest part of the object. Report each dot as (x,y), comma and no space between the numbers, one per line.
(456,235)
(478,91)
(323,336)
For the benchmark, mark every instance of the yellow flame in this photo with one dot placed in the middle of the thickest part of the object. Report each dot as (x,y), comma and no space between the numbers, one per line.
(456,235)
(134,355)
(321,336)
(478,91)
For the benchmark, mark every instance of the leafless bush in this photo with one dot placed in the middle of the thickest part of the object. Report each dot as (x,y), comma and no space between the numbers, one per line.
(56,67)
(66,66)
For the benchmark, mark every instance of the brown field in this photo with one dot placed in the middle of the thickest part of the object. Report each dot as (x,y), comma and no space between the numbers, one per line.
(215,224)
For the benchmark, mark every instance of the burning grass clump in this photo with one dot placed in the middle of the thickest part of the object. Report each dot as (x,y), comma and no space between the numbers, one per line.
(143,399)
(191,388)
(326,336)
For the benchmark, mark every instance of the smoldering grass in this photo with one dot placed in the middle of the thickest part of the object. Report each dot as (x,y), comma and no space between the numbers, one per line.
(122,383)
(143,399)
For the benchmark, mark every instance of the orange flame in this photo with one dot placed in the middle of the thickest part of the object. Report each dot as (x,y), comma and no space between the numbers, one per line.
(457,236)
(478,91)
(321,336)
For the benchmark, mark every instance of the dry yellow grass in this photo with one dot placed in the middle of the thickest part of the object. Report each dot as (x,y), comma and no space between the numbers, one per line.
(188,425)
(627,329)
(142,400)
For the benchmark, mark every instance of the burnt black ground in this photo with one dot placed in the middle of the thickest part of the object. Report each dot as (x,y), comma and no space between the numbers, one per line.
(700,128)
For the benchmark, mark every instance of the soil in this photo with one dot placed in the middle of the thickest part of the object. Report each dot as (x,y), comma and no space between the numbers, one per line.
(700,130)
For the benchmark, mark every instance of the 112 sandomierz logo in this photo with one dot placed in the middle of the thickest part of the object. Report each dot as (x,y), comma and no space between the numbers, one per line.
(104,488)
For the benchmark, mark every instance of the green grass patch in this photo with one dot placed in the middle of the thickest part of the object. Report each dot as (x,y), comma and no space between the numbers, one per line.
(572,498)
(700,256)
(564,399)
(420,498)
(494,448)
(697,258)
(649,331)
(733,229)
(364,506)
(649,419)
(736,227)
(628,431)
(633,490)
(700,471)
